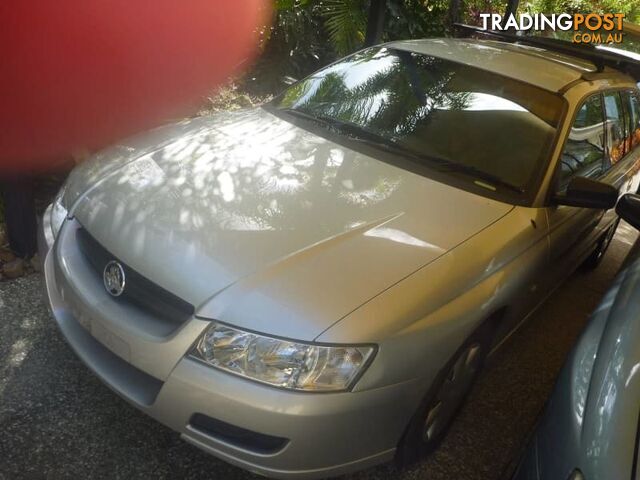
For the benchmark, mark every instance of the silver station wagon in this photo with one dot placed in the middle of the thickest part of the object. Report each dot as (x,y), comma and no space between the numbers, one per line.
(310,287)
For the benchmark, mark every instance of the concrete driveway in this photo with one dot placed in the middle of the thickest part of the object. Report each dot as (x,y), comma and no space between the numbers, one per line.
(58,421)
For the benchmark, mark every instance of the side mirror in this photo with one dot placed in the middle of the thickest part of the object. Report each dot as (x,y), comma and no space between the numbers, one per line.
(628,209)
(587,193)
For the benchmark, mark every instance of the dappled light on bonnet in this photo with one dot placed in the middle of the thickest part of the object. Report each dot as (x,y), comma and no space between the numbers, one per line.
(235,173)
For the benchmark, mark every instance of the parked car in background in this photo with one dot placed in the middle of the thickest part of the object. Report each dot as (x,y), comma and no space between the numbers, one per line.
(591,425)
(311,287)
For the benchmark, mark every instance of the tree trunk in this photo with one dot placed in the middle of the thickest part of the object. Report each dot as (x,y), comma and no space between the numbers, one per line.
(375,22)
(455,12)
(512,8)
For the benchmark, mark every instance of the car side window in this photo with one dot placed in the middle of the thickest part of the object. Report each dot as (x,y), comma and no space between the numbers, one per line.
(615,126)
(632,103)
(584,150)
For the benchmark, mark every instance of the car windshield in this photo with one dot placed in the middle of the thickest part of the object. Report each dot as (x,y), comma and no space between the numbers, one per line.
(464,121)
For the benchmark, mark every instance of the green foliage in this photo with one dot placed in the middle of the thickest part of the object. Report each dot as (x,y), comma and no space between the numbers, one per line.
(230,97)
(415,19)
(631,8)
(295,45)
(475,7)
(308,34)
(345,21)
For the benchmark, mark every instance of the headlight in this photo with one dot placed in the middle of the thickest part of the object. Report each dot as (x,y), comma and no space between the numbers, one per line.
(58,213)
(282,363)
(576,475)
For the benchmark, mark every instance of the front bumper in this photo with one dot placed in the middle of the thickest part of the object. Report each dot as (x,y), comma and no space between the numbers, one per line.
(326,434)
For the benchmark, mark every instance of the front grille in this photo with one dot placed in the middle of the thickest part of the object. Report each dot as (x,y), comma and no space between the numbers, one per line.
(139,291)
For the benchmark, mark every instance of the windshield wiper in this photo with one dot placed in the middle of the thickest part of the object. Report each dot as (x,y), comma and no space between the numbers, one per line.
(444,164)
(352,130)
(340,126)
(306,116)
(480,174)
(441,164)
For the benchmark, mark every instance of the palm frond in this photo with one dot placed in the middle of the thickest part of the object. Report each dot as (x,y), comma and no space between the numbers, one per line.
(345,21)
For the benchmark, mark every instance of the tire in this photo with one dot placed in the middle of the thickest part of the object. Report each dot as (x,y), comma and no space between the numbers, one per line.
(597,255)
(425,432)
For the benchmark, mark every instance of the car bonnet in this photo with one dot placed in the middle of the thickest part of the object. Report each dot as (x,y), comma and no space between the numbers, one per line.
(265,225)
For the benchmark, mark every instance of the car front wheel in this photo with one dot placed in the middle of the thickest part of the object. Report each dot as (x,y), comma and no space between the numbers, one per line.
(445,398)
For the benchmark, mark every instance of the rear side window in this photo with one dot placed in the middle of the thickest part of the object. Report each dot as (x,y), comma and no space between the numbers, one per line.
(633,107)
(615,126)
(590,113)
(584,151)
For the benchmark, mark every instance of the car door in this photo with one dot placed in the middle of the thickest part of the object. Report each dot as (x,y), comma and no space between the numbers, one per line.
(599,146)
(623,142)
(573,231)
(631,99)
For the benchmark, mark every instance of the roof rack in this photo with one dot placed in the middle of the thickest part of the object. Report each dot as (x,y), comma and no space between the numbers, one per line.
(599,57)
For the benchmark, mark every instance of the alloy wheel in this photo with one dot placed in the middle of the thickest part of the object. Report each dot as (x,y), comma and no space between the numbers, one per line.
(452,391)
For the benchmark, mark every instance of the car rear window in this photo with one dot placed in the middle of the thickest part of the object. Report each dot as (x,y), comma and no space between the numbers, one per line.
(444,112)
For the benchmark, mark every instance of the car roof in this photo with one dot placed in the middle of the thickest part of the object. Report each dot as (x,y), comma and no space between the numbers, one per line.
(538,66)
